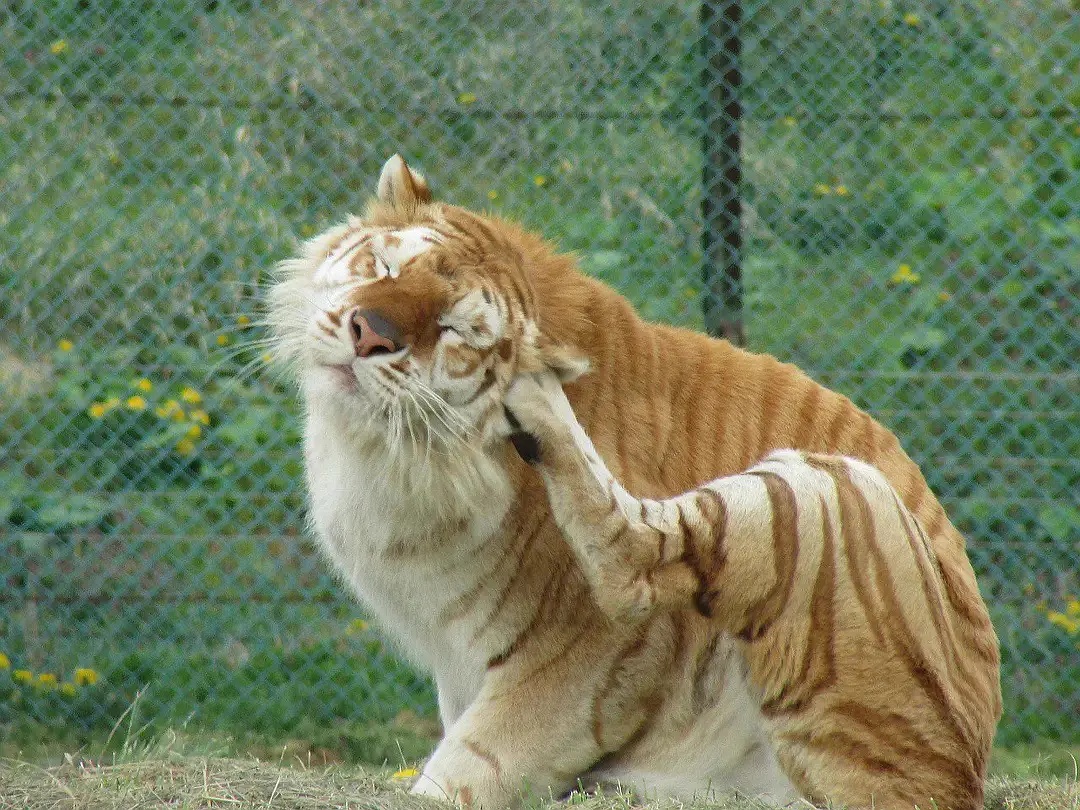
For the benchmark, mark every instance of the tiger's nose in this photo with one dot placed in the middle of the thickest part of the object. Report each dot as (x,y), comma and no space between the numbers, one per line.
(372,333)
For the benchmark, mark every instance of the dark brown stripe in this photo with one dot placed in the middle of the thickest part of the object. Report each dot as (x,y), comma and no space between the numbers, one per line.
(486,755)
(460,606)
(702,601)
(864,445)
(635,645)
(772,378)
(898,734)
(490,378)
(785,525)
(914,490)
(818,671)
(933,597)
(856,524)
(903,641)
(718,537)
(334,317)
(851,751)
(702,669)
(838,427)
(807,421)
(568,646)
(519,568)
(618,536)
(540,614)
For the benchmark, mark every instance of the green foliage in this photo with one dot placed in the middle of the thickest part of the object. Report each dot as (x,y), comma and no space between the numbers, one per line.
(912,233)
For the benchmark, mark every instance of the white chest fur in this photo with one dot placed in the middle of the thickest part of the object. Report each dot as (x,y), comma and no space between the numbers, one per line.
(407,535)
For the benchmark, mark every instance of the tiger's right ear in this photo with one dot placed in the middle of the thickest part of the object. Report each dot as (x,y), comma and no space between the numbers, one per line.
(401,187)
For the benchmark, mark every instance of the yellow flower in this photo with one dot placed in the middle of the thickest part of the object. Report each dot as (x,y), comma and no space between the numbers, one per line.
(912,19)
(199,416)
(406,773)
(5,662)
(67,690)
(222,340)
(493,194)
(97,410)
(904,275)
(185,447)
(66,345)
(144,385)
(1072,608)
(943,296)
(136,403)
(822,189)
(46,680)
(23,676)
(85,676)
(243,320)
(191,395)
(841,190)
(58,47)
(790,121)
(1066,623)
(356,626)
(467,98)
(194,432)
(540,180)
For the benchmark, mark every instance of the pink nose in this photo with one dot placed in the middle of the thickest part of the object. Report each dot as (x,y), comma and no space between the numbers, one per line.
(372,333)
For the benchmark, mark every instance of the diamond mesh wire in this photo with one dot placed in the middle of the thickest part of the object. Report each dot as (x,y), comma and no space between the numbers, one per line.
(910,235)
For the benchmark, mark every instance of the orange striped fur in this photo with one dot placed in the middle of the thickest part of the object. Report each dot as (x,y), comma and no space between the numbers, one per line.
(826,581)
(449,539)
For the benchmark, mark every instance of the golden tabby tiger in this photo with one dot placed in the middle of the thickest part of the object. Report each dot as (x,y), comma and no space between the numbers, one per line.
(406,329)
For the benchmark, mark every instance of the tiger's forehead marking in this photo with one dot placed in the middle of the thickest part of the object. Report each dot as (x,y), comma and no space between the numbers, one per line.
(369,254)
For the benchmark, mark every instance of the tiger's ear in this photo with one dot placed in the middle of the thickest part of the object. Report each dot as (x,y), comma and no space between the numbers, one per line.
(565,361)
(401,187)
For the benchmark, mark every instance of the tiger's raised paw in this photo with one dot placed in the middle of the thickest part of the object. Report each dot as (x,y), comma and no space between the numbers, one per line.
(538,413)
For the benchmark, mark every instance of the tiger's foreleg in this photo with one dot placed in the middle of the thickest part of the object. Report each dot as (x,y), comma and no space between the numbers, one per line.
(640,555)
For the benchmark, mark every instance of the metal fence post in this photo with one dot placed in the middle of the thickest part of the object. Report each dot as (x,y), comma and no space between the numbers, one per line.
(721,175)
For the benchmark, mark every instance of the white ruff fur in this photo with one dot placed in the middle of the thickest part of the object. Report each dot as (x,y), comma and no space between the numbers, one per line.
(407,534)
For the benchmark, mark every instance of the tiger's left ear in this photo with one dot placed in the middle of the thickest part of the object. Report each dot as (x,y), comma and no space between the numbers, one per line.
(401,187)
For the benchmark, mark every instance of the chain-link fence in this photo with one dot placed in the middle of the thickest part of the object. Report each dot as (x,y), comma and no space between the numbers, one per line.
(910,235)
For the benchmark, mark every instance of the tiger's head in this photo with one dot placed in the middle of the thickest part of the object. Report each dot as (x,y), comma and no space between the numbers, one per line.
(411,322)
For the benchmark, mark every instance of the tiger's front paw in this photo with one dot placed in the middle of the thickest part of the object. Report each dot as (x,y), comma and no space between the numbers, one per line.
(536,409)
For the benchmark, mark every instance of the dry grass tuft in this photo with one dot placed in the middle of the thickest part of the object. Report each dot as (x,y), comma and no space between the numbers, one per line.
(190,783)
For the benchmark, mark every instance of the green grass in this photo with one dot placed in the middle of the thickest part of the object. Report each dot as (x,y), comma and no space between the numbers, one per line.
(131,767)
(167,153)
(170,779)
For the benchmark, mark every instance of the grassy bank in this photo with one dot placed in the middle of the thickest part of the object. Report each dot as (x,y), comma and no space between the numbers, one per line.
(187,783)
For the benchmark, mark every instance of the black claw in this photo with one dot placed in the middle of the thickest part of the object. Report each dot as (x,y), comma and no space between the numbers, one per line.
(526,444)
